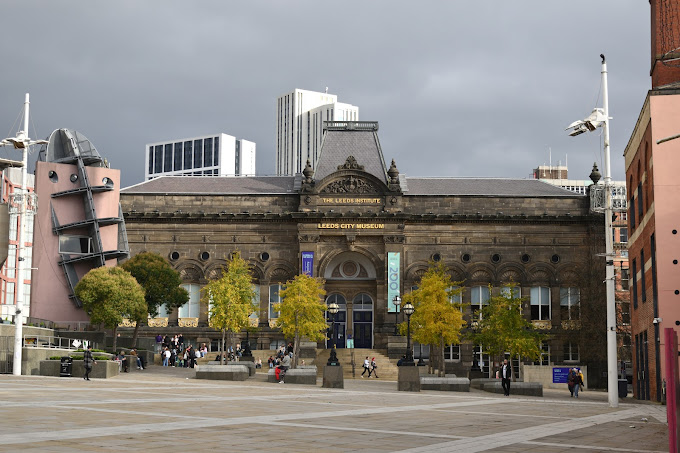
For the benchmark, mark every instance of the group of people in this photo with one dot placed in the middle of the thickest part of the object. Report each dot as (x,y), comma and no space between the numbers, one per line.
(371,366)
(183,358)
(123,361)
(575,381)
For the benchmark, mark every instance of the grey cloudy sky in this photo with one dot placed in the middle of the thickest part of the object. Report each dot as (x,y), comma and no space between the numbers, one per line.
(460,88)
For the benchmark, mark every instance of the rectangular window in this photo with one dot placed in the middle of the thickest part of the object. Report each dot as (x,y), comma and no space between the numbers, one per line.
(192,308)
(150,159)
(9,299)
(571,352)
(544,359)
(570,301)
(273,300)
(11,262)
(480,360)
(540,303)
(634,278)
(452,352)
(13,221)
(207,152)
(625,313)
(198,153)
(623,234)
(512,292)
(479,296)
(158,159)
(216,152)
(456,298)
(631,207)
(640,204)
(179,154)
(75,245)
(167,158)
(187,156)
(643,285)
(625,279)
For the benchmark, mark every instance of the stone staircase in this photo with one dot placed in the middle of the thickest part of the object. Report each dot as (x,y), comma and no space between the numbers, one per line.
(387,369)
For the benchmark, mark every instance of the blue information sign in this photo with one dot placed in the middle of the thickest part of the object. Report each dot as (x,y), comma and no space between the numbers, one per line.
(560,375)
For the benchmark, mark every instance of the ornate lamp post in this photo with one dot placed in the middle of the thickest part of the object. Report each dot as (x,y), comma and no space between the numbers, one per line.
(397,303)
(333,310)
(408,310)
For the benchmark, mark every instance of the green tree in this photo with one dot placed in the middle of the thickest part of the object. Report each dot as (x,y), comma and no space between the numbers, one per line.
(502,328)
(110,294)
(231,298)
(161,285)
(436,320)
(302,310)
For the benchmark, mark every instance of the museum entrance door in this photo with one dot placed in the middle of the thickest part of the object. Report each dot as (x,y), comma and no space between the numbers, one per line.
(362,313)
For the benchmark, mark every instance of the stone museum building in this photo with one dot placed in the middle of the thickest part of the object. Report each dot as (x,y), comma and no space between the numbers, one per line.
(370,231)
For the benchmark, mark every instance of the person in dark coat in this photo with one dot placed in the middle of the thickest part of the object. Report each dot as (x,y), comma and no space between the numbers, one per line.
(88,361)
(506,376)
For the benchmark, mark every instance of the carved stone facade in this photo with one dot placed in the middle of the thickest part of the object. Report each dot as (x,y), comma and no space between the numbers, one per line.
(527,232)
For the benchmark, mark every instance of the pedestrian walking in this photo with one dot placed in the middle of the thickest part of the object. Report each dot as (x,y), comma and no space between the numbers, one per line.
(506,376)
(578,381)
(571,380)
(367,367)
(88,360)
(374,368)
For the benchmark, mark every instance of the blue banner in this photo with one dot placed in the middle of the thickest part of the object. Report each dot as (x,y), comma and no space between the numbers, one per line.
(308,263)
(393,284)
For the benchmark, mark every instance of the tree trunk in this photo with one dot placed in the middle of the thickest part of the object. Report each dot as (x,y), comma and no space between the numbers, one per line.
(115,338)
(296,348)
(442,368)
(224,334)
(134,335)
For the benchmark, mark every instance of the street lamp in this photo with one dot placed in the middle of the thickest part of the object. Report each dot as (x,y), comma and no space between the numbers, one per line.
(600,118)
(397,302)
(408,310)
(333,310)
(23,199)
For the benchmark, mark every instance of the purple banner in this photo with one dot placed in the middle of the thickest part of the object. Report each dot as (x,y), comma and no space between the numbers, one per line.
(308,263)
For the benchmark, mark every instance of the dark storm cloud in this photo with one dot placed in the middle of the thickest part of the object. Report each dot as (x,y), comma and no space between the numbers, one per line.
(459,88)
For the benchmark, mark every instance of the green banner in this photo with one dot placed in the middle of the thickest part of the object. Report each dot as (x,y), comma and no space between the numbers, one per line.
(393,284)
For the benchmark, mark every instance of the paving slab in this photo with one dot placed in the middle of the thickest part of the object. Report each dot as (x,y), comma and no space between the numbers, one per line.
(167,409)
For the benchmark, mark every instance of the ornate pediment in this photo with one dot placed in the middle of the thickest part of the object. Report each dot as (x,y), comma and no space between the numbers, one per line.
(350,164)
(350,184)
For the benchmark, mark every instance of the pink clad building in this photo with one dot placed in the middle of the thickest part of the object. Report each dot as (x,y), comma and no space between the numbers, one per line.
(78,226)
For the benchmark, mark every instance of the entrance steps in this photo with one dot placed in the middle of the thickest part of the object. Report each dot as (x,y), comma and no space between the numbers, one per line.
(387,369)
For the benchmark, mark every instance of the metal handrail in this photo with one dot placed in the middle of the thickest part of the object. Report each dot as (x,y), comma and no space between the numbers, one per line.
(51,342)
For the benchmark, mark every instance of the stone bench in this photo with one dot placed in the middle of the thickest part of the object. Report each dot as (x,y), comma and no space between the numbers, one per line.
(446,384)
(103,369)
(305,376)
(223,372)
(478,383)
(516,388)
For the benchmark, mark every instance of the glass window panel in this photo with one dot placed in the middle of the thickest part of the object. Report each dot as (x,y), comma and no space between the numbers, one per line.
(570,303)
(11,262)
(13,222)
(74,244)
(511,291)
(150,159)
(10,293)
(540,303)
(207,152)
(273,300)
(188,156)
(198,153)
(158,159)
(167,158)
(191,309)
(216,151)
(179,154)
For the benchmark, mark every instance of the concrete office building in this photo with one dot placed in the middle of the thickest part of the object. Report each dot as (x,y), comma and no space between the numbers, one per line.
(299,127)
(209,155)
(653,208)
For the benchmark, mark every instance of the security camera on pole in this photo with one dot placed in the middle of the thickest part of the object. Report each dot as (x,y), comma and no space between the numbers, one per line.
(600,118)
(21,202)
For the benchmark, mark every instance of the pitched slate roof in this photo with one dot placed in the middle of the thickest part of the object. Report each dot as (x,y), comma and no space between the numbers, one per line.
(217,185)
(484,187)
(338,145)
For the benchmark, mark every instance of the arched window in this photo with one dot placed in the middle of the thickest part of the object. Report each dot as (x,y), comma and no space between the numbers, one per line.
(362,301)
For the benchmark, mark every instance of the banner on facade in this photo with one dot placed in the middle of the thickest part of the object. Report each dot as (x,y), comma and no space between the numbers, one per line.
(308,263)
(393,283)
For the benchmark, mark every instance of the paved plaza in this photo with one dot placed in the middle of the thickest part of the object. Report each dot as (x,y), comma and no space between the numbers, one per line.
(165,409)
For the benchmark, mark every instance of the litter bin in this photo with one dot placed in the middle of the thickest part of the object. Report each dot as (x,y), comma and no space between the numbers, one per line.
(623,388)
(66,367)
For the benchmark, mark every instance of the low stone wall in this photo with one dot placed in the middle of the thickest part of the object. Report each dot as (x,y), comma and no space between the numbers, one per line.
(516,388)
(446,384)
(304,376)
(103,369)
(544,375)
(223,372)
(478,383)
